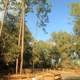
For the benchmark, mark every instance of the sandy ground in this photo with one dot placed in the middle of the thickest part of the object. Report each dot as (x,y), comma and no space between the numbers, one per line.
(45,75)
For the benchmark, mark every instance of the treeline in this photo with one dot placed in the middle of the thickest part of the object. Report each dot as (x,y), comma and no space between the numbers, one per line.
(9,49)
(13,26)
(62,50)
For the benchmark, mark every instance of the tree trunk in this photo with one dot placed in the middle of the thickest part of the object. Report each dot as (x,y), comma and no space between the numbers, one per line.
(5,12)
(22,40)
(19,43)
(16,65)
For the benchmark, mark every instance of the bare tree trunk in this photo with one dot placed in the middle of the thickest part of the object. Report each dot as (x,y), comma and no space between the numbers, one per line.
(5,12)
(19,44)
(22,40)
(16,65)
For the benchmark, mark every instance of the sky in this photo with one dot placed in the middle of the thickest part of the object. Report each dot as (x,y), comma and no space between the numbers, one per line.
(59,20)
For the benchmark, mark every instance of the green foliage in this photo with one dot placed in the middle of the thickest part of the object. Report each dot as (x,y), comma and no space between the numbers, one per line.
(8,47)
(27,48)
(63,42)
(41,54)
(77,27)
(9,43)
(75,12)
(62,39)
(75,9)
(40,7)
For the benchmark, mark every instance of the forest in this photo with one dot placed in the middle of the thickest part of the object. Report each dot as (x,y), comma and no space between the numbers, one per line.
(20,50)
